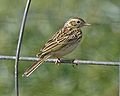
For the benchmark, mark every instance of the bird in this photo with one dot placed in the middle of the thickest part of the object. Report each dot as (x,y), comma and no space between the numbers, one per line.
(62,43)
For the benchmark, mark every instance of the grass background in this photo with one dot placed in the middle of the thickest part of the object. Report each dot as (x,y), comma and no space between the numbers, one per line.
(101,42)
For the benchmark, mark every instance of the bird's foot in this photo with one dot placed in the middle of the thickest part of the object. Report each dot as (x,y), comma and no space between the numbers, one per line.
(57,62)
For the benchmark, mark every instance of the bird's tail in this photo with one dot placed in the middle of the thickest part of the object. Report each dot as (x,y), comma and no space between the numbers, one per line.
(35,65)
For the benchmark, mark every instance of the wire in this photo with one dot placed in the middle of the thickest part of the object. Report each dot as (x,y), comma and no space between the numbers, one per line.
(19,46)
(65,61)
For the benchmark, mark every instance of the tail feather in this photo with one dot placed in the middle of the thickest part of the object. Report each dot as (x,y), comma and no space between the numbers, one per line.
(34,66)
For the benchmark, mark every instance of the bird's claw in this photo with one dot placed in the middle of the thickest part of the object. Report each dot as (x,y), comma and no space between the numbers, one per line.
(57,62)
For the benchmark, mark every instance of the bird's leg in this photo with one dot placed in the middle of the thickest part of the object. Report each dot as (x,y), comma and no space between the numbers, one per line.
(57,62)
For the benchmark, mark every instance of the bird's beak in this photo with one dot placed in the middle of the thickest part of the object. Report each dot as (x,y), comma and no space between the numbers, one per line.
(87,24)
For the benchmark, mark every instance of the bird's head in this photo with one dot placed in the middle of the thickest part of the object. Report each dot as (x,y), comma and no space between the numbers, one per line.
(76,22)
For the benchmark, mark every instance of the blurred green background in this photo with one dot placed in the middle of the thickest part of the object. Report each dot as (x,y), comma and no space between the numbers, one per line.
(101,42)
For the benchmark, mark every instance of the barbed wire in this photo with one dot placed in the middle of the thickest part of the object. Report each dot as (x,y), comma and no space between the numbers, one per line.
(66,61)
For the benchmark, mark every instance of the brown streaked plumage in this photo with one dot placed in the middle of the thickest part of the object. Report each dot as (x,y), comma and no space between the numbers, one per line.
(63,42)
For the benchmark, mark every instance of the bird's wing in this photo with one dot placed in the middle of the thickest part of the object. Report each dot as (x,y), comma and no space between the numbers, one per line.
(60,39)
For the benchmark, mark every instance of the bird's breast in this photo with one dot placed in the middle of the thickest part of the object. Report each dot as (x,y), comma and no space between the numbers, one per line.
(65,50)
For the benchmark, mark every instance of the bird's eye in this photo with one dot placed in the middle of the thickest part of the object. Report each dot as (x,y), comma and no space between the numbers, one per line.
(78,21)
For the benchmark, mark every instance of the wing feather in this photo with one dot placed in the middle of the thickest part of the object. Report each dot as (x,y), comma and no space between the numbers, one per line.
(61,38)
